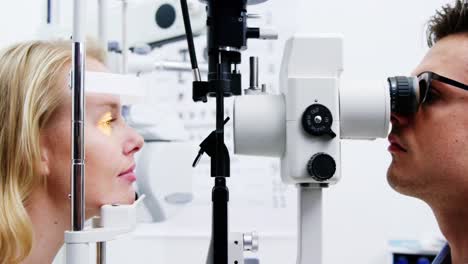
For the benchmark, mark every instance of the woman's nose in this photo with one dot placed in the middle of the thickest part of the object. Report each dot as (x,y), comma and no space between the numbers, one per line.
(134,143)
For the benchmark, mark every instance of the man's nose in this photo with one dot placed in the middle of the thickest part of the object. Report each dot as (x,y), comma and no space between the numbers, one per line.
(399,119)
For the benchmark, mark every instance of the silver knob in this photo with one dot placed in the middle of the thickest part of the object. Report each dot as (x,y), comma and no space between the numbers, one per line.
(251,241)
(253,72)
(318,119)
(254,16)
(266,33)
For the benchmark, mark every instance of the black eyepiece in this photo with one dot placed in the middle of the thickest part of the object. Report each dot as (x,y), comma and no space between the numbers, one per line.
(404,94)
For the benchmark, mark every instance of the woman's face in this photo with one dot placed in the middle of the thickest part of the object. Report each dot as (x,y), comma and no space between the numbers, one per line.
(110,147)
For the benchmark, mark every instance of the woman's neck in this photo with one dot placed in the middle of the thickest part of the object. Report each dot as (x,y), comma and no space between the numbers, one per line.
(50,217)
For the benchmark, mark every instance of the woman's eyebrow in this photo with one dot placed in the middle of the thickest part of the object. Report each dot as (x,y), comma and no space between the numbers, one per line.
(106,106)
(113,105)
(104,101)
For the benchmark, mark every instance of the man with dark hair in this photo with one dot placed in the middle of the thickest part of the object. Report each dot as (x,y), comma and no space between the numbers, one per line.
(430,147)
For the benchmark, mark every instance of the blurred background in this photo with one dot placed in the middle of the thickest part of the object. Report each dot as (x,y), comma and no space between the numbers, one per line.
(365,221)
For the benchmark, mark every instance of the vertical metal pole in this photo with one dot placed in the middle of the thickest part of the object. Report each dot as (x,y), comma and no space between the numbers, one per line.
(53,13)
(101,253)
(49,12)
(102,23)
(253,72)
(220,193)
(309,248)
(124,37)
(217,71)
(78,115)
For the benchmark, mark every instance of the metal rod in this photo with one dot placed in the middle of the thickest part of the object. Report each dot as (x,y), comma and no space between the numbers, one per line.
(253,72)
(310,224)
(102,23)
(219,154)
(180,66)
(196,75)
(220,193)
(78,115)
(49,12)
(189,34)
(101,253)
(220,219)
(53,13)
(124,37)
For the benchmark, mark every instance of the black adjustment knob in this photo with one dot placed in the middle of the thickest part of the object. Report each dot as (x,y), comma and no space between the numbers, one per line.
(321,167)
(165,16)
(404,96)
(317,121)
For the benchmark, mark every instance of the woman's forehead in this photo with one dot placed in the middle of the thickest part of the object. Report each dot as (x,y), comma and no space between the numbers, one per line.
(102,100)
(93,64)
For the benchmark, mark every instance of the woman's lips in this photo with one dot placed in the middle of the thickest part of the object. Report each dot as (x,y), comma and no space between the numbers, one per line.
(128,175)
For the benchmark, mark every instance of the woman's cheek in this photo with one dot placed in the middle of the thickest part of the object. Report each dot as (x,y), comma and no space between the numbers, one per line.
(105,129)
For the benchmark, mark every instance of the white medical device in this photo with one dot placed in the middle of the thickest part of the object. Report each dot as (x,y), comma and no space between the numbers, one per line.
(124,25)
(152,22)
(114,221)
(304,126)
(164,163)
(147,22)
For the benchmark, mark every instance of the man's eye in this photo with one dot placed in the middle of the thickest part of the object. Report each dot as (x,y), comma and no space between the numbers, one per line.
(431,96)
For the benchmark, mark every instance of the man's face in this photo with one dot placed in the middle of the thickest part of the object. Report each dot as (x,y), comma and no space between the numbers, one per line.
(434,161)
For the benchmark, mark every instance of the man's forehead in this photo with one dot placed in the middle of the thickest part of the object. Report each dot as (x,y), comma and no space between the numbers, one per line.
(448,57)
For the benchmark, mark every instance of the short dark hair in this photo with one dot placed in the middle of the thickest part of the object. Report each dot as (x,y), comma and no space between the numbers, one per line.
(449,20)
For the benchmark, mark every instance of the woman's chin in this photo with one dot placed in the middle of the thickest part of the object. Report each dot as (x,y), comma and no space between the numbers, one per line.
(124,197)
(131,197)
(127,197)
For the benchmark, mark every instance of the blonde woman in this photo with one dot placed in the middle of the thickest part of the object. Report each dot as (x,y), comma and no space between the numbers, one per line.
(35,112)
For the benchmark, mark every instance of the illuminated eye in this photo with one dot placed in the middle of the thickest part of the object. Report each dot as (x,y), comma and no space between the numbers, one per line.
(105,123)
(109,122)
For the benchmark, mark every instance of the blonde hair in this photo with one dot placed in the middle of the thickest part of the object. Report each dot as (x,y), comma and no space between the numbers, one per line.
(29,75)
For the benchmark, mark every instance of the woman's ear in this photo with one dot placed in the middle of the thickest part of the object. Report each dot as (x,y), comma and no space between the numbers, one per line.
(44,164)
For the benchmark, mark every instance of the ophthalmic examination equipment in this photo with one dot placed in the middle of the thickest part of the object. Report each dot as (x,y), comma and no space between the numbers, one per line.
(303,126)
(227,35)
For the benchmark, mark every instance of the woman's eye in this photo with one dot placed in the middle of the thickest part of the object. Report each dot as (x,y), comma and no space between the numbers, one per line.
(106,125)
(109,122)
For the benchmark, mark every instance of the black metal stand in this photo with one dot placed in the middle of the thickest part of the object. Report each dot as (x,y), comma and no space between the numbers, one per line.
(220,168)
(227,35)
(226,19)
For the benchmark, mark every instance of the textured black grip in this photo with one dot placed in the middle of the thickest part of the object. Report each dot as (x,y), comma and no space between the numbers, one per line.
(404,96)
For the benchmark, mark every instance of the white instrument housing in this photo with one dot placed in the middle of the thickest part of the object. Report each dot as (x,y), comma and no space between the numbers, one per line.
(271,125)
